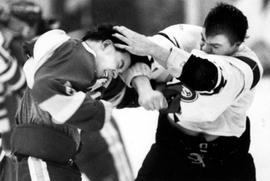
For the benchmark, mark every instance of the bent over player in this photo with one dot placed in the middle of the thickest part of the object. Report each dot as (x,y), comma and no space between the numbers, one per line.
(65,79)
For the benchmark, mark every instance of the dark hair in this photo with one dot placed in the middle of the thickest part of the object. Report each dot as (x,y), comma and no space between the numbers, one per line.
(102,32)
(226,19)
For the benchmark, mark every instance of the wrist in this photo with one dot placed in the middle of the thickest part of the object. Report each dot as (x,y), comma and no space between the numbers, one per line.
(160,54)
(139,69)
(142,84)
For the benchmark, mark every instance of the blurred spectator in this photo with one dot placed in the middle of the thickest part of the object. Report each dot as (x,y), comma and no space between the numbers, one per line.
(258,14)
(12,81)
(143,16)
(155,15)
(19,21)
(73,15)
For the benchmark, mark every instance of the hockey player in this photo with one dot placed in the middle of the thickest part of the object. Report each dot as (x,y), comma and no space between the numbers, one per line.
(65,80)
(207,135)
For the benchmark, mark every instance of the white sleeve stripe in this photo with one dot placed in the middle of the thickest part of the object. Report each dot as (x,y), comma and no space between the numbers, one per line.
(95,95)
(19,83)
(219,75)
(38,169)
(2,152)
(4,53)
(108,110)
(88,49)
(63,107)
(2,99)
(3,65)
(111,136)
(10,73)
(4,125)
(3,112)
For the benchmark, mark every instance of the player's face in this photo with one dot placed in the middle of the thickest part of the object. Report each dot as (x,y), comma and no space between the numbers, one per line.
(110,60)
(113,63)
(218,44)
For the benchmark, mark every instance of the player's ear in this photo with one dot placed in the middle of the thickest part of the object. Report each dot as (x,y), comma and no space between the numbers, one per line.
(107,43)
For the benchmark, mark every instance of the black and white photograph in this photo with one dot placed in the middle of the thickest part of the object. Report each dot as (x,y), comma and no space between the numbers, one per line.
(134,90)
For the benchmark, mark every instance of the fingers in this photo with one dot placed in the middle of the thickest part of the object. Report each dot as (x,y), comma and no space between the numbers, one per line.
(121,46)
(146,106)
(160,103)
(156,102)
(124,47)
(123,30)
(122,38)
(125,40)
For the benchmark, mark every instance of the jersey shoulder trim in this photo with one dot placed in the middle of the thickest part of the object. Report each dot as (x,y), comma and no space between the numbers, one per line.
(254,67)
(168,38)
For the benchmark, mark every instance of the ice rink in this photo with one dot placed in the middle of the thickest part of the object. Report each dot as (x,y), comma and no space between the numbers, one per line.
(138,131)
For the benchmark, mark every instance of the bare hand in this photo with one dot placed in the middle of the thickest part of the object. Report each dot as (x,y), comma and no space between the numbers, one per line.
(137,44)
(153,100)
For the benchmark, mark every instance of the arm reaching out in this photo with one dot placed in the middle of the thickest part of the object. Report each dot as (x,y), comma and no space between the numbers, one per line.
(148,98)
(139,44)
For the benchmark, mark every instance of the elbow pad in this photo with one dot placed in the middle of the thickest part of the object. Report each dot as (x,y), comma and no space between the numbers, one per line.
(199,74)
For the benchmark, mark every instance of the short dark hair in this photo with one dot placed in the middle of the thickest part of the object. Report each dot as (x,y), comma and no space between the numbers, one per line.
(102,32)
(226,19)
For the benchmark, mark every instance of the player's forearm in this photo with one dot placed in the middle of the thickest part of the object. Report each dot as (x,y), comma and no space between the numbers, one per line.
(141,84)
(173,60)
(159,53)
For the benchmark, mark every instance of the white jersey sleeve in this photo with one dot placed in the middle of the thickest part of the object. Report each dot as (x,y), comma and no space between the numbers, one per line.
(220,110)
(233,81)
(183,36)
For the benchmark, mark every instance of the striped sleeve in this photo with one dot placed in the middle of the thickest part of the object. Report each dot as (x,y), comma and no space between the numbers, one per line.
(10,72)
(4,121)
(66,105)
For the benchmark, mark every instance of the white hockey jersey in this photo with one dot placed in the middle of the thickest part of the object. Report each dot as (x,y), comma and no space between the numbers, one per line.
(221,113)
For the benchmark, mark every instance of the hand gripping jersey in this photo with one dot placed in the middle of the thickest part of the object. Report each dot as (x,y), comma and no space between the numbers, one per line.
(215,90)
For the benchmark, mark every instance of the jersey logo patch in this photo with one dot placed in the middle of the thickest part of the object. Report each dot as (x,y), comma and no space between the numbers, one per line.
(188,95)
(185,93)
